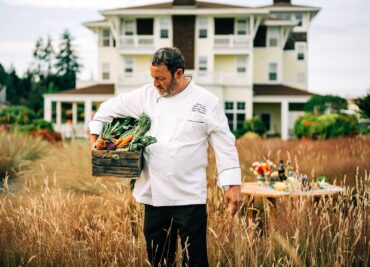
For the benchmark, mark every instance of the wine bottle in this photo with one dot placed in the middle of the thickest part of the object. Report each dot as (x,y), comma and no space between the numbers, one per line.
(281,171)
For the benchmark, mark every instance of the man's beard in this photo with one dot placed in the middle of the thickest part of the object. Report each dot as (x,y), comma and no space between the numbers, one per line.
(171,87)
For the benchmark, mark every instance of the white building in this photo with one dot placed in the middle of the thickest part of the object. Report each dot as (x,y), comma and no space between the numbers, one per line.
(254,59)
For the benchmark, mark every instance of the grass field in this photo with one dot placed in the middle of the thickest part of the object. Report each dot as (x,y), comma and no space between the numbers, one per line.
(56,214)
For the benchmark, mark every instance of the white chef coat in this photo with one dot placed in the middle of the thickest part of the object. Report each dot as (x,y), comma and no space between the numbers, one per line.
(174,171)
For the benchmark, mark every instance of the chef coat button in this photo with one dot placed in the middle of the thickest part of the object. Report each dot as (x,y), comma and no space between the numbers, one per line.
(172,155)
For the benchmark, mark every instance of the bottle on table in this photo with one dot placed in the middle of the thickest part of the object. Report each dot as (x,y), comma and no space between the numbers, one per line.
(281,171)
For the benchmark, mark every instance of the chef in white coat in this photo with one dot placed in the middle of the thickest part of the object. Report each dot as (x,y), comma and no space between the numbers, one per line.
(185,118)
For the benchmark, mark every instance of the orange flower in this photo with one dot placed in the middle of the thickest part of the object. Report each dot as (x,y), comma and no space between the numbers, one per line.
(307,123)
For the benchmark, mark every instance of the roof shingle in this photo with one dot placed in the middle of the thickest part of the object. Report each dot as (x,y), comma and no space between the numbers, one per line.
(97,89)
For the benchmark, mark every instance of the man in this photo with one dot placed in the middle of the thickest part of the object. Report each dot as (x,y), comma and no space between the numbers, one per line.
(173,183)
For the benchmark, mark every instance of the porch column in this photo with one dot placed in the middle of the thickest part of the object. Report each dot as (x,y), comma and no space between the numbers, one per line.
(59,113)
(74,113)
(88,110)
(284,120)
(47,109)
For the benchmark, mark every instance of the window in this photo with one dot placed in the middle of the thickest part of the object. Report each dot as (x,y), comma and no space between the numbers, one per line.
(300,77)
(229,105)
(273,37)
(129,65)
(240,118)
(241,27)
(165,24)
(230,119)
(299,18)
(240,105)
(129,27)
(241,64)
(300,48)
(265,118)
(202,64)
(285,16)
(105,71)
(106,37)
(235,113)
(203,28)
(272,71)
(224,26)
(144,26)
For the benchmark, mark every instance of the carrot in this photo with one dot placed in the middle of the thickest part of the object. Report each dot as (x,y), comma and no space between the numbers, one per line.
(124,141)
(100,144)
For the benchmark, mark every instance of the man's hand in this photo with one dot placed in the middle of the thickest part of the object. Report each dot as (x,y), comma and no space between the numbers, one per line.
(93,138)
(233,196)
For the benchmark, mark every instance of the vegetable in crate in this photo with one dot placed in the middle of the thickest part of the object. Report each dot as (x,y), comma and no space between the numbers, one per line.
(126,135)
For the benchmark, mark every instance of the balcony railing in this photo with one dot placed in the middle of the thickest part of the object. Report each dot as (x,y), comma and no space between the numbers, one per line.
(201,78)
(137,41)
(219,78)
(232,41)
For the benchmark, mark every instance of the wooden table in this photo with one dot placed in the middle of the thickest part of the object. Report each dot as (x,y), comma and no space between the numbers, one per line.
(269,196)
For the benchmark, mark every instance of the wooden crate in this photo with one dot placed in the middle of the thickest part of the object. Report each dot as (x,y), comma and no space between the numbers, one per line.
(116,163)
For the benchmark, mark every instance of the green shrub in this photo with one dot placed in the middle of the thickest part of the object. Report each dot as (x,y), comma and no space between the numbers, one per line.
(325,126)
(17,115)
(22,119)
(319,104)
(252,125)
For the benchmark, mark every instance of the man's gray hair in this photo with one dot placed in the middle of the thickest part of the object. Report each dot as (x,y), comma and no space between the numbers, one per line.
(171,57)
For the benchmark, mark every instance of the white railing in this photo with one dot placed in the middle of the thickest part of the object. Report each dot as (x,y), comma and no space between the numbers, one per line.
(201,78)
(137,41)
(232,41)
(219,78)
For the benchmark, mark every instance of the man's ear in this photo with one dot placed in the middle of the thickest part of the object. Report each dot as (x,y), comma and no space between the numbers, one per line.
(179,73)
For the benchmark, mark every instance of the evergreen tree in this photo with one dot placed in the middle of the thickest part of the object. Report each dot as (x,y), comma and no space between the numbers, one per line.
(364,105)
(67,65)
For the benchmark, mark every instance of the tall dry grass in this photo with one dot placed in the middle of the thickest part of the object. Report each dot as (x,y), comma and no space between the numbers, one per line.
(17,152)
(57,214)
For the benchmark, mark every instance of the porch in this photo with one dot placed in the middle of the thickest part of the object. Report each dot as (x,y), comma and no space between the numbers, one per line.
(71,110)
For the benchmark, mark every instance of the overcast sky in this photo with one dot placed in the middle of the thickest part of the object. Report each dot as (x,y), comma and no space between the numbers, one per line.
(339,39)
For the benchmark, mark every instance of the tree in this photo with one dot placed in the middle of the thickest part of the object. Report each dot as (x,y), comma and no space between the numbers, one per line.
(364,105)
(67,65)
(4,77)
(325,104)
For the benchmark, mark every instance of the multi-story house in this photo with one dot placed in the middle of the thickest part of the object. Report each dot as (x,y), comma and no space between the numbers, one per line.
(254,59)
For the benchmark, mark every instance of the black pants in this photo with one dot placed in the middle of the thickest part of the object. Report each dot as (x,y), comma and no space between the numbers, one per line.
(161,225)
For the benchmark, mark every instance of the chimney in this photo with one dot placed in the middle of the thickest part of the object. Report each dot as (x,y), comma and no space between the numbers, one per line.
(184,2)
(282,1)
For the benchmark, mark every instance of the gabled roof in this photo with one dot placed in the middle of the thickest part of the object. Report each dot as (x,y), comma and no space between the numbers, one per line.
(96,23)
(278,90)
(169,5)
(97,89)
(287,5)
